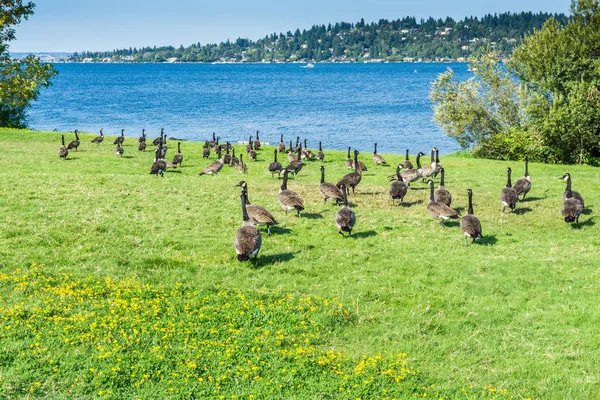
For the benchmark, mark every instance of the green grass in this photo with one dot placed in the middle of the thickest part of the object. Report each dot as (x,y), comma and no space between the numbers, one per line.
(96,238)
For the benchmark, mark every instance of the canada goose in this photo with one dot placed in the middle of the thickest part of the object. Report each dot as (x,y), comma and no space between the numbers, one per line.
(234,162)
(206,150)
(377,159)
(281,145)
(442,195)
(398,188)
(75,143)
(143,137)
(98,139)
(329,190)
(142,146)
(242,165)
(295,148)
(159,166)
(469,224)
(63,152)
(349,161)
(225,147)
(361,166)
(249,145)
(320,154)
(214,167)
(227,156)
(164,147)
(575,195)
(439,210)
(306,152)
(259,215)
(216,146)
(296,165)
(427,170)
(275,166)
(572,207)
(119,150)
(289,200)
(411,175)
(353,178)
(257,142)
(345,217)
(407,164)
(508,195)
(120,139)
(523,185)
(291,154)
(160,138)
(251,152)
(247,239)
(211,143)
(437,166)
(178,158)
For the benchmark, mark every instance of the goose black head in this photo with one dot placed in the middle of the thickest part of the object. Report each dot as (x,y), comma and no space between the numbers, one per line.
(241,184)
(565,176)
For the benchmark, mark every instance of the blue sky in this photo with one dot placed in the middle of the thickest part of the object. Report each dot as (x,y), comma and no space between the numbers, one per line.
(75,25)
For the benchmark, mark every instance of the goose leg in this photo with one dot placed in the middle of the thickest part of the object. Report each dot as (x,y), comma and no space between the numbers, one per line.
(268,230)
(466,241)
(393,202)
(298,213)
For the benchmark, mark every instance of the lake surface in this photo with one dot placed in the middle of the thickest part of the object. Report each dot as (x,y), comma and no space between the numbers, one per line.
(339,104)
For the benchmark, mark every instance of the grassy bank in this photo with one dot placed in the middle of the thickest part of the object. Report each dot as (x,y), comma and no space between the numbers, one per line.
(100,257)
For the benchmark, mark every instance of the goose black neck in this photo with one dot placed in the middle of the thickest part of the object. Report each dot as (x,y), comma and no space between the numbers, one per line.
(245,189)
(508,183)
(432,157)
(526,167)
(442,177)
(275,156)
(179,147)
(227,148)
(305,146)
(375,150)
(437,156)
(320,148)
(569,192)
(281,140)
(344,195)
(322,174)
(257,136)
(431,198)
(470,211)
(244,211)
(122,132)
(290,145)
(219,152)
(419,161)
(233,151)
(76,136)
(299,152)
(285,179)
(63,140)
(348,152)
(356,161)
(398,173)
(214,138)
(406,158)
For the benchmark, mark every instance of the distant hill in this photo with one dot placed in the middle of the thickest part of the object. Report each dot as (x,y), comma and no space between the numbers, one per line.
(45,56)
(400,40)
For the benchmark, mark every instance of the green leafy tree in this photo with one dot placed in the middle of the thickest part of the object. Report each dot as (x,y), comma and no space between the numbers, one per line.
(20,80)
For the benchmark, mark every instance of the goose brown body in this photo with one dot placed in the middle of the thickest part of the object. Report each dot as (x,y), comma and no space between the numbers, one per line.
(296,165)
(99,139)
(427,170)
(523,185)
(345,219)
(398,188)
(572,206)
(251,151)
(63,152)
(329,190)
(275,167)
(509,196)
(288,199)
(257,142)
(257,214)
(247,241)
(377,159)
(160,138)
(352,179)
(143,137)
(439,210)
(320,154)
(281,145)
(441,194)
(407,164)
(215,167)
(470,225)
(120,139)
(74,143)
(178,158)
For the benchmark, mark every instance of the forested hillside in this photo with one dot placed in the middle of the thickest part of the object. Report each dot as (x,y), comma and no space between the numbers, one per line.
(403,39)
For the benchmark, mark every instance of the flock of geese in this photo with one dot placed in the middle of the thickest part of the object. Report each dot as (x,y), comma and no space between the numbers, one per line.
(248,239)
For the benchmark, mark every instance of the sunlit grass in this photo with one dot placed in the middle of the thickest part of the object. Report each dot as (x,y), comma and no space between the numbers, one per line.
(517,311)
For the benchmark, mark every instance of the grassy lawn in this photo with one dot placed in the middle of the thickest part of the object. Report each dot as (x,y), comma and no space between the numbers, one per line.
(117,283)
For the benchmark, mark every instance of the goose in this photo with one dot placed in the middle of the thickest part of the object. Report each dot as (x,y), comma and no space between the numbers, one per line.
(234,162)
(216,146)
(211,143)
(320,154)
(442,195)
(572,207)
(227,156)
(214,167)
(120,139)
(247,239)
(242,165)
(438,166)
(275,166)
(75,143)
(63,152)
(281,145)
(159,166)
(296,165)
(439,210)
(142,146)
(349,161)
(178,158)
(258,215)
(398,188)
(143,137)
(98,139)
(508,195)
(575,195)
(164,148)
(295,148)
(119,150)
(306,152)
(329,190)
(407,163)
(411,175)
(353,178)
(251,152)
(469,224)
(257,142)
(427,170)
(345,217)
(249,145)
(523,185)
(226,147)
(291,154)
(289,200)
(160,138)
(361,166)
(206,150)
(377,159)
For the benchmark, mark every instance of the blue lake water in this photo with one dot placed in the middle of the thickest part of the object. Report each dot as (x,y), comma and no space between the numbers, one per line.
(339,104)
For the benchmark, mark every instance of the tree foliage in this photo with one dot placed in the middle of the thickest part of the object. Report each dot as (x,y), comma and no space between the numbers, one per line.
(20,80)
(544,103)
